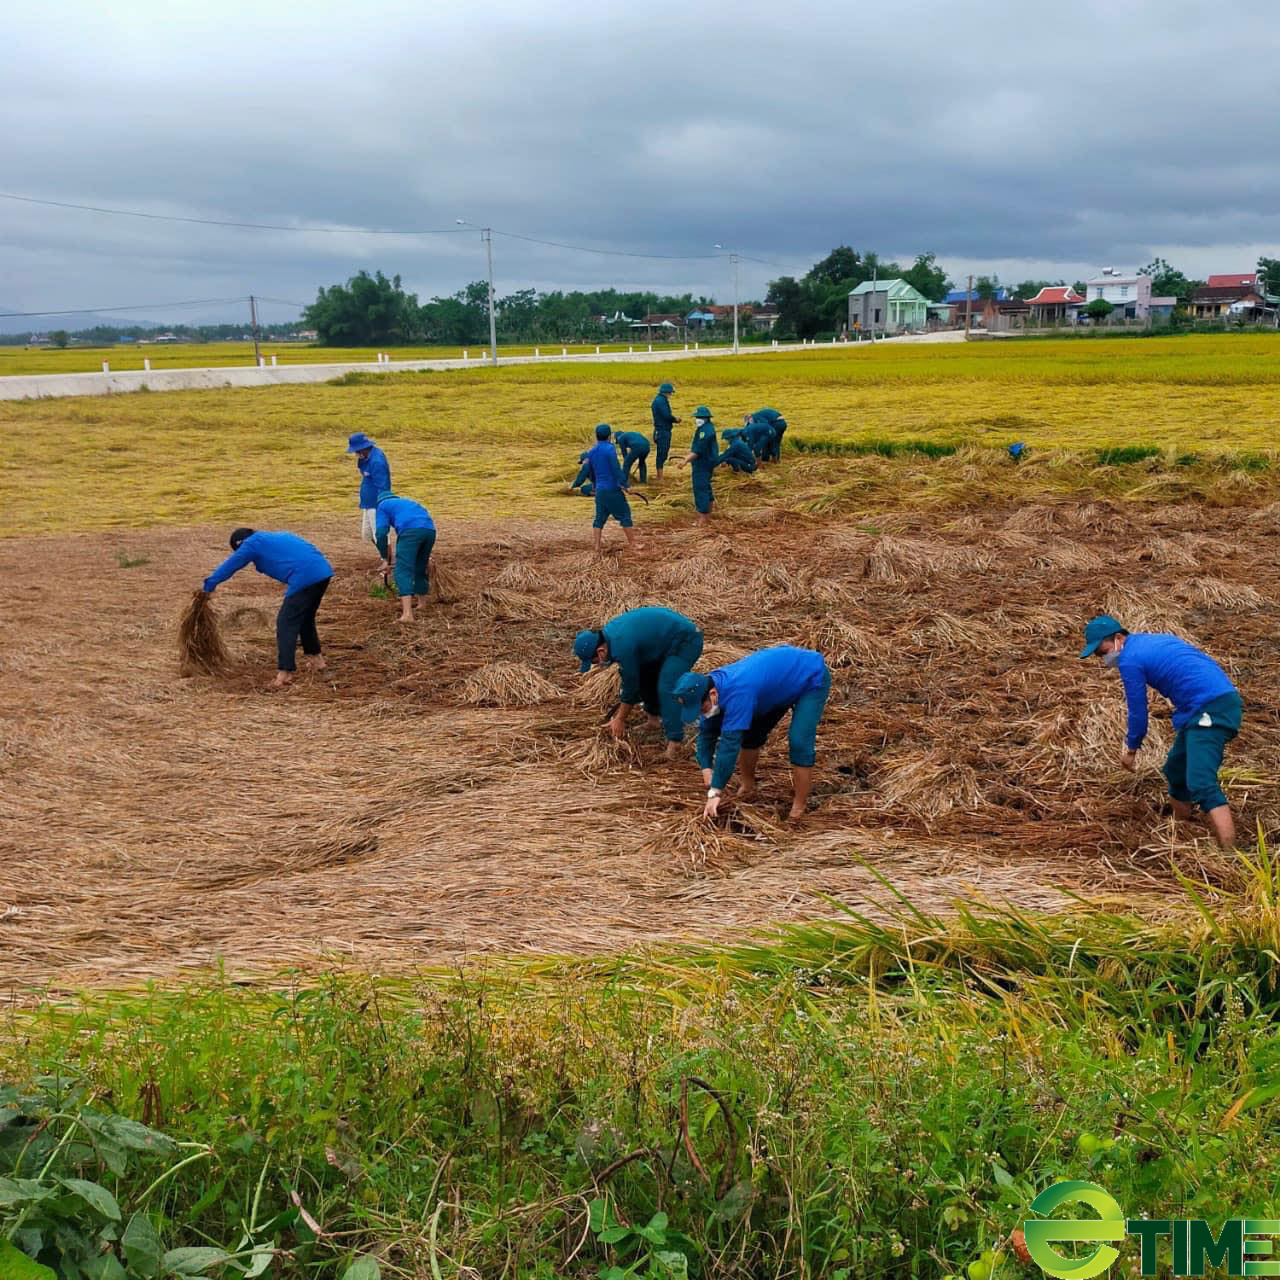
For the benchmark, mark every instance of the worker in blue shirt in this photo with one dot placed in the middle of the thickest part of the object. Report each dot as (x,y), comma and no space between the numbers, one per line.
(635,453)
(741,704)
(582,482)
(610,489)
(415,537)
(375,478)
(779,425)
(759,434)
(305,573)
(663,421)
(702,458)
(1206,713)
(653,648)
(737,453)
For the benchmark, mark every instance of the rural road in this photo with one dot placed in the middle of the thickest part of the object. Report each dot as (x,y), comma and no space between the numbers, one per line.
(53,385)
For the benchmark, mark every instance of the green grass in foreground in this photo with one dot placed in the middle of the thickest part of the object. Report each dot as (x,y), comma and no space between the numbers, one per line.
(850,1101)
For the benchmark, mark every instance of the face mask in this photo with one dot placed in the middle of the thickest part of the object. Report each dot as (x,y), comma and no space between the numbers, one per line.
(711,715)
(1111,659)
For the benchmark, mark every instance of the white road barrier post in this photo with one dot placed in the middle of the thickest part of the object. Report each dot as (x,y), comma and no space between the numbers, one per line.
(464,353)
(597,351)
(564,351)
(106,368)
(274,362)
(146,363)
(537,353)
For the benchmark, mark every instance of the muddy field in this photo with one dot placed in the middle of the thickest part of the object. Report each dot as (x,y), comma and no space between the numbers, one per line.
(384,813)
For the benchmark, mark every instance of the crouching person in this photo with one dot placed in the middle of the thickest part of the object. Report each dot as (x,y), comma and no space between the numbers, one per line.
(741,704)
(305,573)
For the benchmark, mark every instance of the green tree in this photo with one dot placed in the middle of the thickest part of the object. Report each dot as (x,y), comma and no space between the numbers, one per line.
(1167,281)
(1029,288)
(840,265)
(985,287)
(59,337)
(460,320)
(368,310)
(925,275)
(1269,270)
(1099,309)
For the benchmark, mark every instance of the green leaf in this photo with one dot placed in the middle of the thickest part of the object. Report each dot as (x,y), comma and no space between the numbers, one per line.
(363,1268)
(1002,1176)
(22,1191)
(677,1264)
(105,1267)
(260,1260)
(17,1266)
(192,1262)
(98,1198)
(597,1214)
(135,1136)
(142,1247)
(611,1235)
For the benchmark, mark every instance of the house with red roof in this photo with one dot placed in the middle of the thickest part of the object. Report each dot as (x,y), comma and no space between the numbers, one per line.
(1238,297)
(1246,280)
(1055,305)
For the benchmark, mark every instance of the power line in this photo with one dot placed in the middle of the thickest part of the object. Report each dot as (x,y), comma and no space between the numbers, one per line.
(218,222)
(613,253)
(135,306)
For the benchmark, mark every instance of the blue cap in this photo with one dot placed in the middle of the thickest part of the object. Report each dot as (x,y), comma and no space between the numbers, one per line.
(384,495)
(1097,630)
(585,644)
(358,441)
(666,389)
(603,431)
(702,412)
(1017,450)
(691,692)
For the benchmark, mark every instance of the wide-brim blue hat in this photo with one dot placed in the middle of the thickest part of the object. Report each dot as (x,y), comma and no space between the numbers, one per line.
(666,389)
(691,692)
(1098,629)
(603,431)
(702,412)
(585,644)
(358,441)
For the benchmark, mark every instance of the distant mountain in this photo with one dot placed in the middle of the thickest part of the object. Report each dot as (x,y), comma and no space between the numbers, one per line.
(76,320)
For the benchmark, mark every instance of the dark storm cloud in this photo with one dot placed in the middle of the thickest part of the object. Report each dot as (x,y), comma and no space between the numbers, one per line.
(1010,134)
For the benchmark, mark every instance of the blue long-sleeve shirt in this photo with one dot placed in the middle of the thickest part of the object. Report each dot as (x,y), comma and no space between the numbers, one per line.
(768,415)
(584,472)
(632,442)
(283,556)
(606,472)
(375,478)
(663,418)
(1186,676)
(642,637)
(759,434)
(400,514)
(703,447)
(753,686)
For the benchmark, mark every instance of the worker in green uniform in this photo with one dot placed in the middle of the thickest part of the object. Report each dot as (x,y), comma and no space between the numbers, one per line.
(737,453)
(663,421)
(635,453)
(702,458)
(779,425)
(759,434)
(653,648)
(582,482)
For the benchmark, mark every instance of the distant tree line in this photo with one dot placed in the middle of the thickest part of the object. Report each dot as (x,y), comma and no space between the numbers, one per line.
(101,335)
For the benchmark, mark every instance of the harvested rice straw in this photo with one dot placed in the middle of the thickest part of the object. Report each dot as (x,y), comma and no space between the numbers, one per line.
(1214,591)
(895,559)
(246,615)
(507,684)
(693,844)
(519,575)
(597,688)
(200,647)
(1142,610)
(953,632)
(930,785)
(1071,557)
(446,586)
(598,756)
(842,643)
(514,606)
(1170,551)
(719,655)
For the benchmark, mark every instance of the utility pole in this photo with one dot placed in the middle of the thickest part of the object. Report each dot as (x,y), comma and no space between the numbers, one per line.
(733,260)
(487,233)
(874,279)
(968,308)
(253,319)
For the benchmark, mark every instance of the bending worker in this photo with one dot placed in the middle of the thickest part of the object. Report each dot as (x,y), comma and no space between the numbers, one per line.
(305,573)
(737,454)
(415,537)
(742,703)
(635,453)
(582,482)
(375,478)
(610,489)
(759,434)
(703,456)
(653,649)
(1206,713)
(779,425)
(663,421)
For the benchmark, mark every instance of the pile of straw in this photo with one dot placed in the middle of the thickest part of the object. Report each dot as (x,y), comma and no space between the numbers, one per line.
(200,647)
(507,684)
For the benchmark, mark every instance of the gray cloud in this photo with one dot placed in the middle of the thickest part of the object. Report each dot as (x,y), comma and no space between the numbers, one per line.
(1008,135)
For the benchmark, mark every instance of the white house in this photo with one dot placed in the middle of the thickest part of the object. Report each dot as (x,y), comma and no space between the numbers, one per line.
(1130,295)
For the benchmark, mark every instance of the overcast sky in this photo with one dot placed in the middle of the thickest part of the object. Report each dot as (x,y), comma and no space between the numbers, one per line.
(1016,136)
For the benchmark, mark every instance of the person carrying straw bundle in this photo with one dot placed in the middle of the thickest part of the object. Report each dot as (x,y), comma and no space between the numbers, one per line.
(415,537)
(1206,713)
(702,458)
(375,478)
(306,575)
(653,648)
(741,704)
(610,487)
(663,422)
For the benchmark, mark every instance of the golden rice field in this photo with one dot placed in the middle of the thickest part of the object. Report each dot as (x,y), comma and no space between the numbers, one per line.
(504,443)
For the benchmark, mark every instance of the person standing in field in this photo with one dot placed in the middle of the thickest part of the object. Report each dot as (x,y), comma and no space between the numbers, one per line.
(305,573)
(610,487)
(415,537)
(702,458)
(779,425)
(742,704)
(663,422)
(653,648)
(1206,713)
(375,478)
(635,453)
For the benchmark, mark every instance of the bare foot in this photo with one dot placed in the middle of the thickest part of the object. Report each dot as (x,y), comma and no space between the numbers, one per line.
(405,618)
(673,750)
(654,722)
(745,793)
(283,678)
(316,662)
(796,812)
